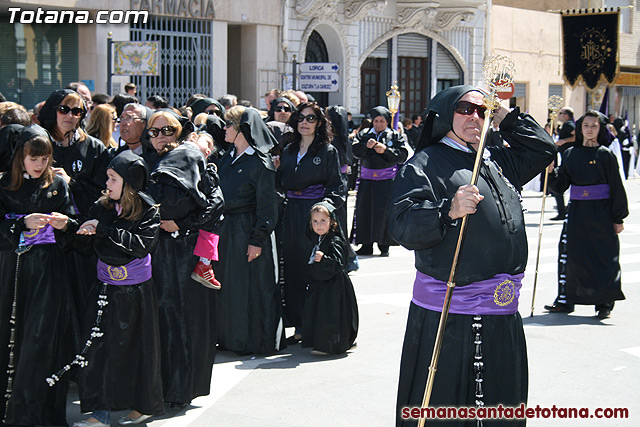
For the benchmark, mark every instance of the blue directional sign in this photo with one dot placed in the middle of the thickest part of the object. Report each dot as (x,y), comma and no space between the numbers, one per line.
(319,77)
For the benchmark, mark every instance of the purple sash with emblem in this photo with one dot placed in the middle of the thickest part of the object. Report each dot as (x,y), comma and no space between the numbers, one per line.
(133,273)
(379,174)
(43,236)
(589,192)
(497,295)
(311,192)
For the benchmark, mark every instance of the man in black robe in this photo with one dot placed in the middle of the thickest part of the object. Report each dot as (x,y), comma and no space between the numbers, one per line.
(381,149)
(566,139)
(483,359)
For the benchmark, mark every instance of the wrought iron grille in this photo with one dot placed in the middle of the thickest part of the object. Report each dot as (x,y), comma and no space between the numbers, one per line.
(185,58)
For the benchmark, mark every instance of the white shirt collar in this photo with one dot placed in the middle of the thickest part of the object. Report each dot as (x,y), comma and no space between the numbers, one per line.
(249,151)
(456,145)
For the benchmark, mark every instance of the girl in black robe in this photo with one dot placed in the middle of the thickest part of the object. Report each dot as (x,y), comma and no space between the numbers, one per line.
(589,250)
(330,311)
(186,308)
(249,303)
(123,368)
(35,300)
(309,172)
(381,151)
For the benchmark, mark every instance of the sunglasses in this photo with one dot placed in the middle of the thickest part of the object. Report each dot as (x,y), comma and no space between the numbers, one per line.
(228,124)
(165,130)
(467,108)
(211,111)
(75,111)
(311,118)
(283,109)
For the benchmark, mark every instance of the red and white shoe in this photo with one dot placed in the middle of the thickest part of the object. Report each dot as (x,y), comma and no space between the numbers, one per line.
(204,275)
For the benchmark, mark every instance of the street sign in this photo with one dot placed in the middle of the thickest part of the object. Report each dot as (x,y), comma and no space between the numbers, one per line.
(319,77)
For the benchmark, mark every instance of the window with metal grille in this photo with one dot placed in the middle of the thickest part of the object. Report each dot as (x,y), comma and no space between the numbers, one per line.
(185,58)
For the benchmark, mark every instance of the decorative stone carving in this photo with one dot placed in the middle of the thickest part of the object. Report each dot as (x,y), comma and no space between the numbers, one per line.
(304,6)
(358,9)
(419,16)
(326,10)
(446,20)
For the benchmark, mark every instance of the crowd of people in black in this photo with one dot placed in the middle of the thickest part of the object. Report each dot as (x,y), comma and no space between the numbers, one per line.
(138,239)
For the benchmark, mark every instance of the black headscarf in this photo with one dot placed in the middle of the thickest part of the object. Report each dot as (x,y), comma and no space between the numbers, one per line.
(340,122)
(381,111)
(47,115)
(214,126)
(256,132)
(619,124)
(604,136)
(134,171)
(202,104)
(439,114)
(274,104)
(8,140)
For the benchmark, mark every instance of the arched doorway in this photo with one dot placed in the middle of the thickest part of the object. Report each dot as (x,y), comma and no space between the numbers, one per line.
(317,52)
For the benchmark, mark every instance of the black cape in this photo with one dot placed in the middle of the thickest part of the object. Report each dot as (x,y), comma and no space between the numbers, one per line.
(591,263)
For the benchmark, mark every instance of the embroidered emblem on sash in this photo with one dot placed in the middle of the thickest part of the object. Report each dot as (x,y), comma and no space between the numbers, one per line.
(31,233)
(117,273)
(505,293)
(375,174)
(317,161)
(585,193)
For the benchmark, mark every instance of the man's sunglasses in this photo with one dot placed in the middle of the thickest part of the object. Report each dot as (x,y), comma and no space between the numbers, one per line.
(165,130)
(311,118)
(65,109)
(211,112)
(467,108)
(283,109)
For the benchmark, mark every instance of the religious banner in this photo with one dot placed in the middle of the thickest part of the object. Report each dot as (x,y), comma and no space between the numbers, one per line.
(590,44)
(136,58)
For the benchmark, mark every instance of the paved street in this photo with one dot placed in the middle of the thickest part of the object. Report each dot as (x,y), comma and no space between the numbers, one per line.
(574,361)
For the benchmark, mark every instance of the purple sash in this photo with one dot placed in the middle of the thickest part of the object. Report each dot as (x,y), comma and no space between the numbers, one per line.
(136,272)
(378,174)
(43,236)
(311,192)
(497,295)
(344,169)
(589,192)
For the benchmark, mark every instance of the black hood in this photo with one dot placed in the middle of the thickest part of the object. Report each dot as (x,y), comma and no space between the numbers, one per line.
(8,140)
(380,111)
(605,138)
(256,131)
(215,127)
(134,171)
(47,115)
(340,122)
(438,117)
(274,104)
(202,104)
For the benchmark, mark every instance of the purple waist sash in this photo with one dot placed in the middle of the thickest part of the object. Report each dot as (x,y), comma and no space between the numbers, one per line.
(589,192)
(133,273)
(311,192)
(43,236)
(378,174)
(497,295)
(344,169)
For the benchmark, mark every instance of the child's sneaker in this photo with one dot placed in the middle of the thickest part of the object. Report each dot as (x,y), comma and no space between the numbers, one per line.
(204,275)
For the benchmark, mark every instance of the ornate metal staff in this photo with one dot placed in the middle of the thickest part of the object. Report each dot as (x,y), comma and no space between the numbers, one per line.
(498,72)
(555,103)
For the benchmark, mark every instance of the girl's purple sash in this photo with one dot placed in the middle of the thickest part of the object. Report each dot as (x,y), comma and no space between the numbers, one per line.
(311,192)
(497,295)
(379,174)
(589,192)
(133,273)
(43,236)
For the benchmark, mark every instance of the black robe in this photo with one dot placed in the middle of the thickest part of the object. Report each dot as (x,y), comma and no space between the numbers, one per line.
(370,217)
(321,168)
(44,315)
(124,364)
(590,262)
(330,311)
(85,162)
(495,242)
(186,308)
(249,303)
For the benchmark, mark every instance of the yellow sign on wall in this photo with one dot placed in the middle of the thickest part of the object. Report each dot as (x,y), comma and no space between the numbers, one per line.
(628,79)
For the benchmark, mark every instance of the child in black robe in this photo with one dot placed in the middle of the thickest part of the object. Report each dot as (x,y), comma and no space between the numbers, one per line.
(330,316)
